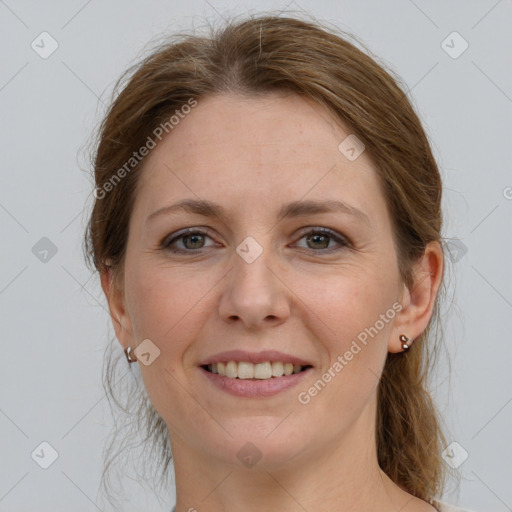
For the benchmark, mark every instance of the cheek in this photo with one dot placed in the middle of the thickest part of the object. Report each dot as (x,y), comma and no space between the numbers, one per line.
(167,305)
(349,301)
(352,318)
(356,345)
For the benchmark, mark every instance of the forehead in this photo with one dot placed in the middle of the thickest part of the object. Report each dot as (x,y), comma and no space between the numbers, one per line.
(274,149)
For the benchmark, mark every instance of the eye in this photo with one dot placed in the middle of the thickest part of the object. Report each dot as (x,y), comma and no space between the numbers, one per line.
(319,240)
(189,240)
(193,240)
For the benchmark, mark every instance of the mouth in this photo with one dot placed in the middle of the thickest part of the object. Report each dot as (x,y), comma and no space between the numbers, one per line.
(245,370)
(258,379)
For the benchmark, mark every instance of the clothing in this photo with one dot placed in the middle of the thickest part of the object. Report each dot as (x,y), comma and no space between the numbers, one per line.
(441,507)
(445,507)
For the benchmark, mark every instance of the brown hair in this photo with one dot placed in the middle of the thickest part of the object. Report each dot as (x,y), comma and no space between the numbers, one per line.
(253,57)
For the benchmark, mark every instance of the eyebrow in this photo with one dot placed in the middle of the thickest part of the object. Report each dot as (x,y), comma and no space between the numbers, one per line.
(289,210)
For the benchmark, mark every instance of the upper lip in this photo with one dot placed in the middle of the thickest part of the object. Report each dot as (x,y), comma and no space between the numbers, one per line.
(254,357)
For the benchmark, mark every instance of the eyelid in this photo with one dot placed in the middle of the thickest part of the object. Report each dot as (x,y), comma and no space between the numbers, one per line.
(338,237)
(167,240)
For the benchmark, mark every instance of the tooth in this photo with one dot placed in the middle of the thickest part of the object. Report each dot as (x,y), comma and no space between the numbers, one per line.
(231,369)
(277,369)
(263,371)
(245,370)
(288,368)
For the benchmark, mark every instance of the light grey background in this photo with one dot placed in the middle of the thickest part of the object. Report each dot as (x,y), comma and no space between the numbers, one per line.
(54,326)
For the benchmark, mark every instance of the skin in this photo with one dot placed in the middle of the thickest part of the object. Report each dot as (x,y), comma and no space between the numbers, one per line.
(252,155)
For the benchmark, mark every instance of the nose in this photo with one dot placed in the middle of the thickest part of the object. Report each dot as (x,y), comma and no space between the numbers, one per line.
(256,293)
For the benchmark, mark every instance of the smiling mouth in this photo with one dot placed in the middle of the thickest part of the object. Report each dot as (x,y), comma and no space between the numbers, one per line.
(245,370)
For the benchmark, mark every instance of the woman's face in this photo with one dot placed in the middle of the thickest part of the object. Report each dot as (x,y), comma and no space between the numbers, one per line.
(290,259)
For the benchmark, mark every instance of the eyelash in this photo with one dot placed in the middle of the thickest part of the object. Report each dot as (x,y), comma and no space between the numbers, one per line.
(340,239)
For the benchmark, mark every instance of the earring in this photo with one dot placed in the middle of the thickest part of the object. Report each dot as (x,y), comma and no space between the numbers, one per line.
(405,342)
(128,354)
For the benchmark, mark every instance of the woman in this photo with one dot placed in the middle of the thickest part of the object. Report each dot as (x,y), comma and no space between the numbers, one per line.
(267,228)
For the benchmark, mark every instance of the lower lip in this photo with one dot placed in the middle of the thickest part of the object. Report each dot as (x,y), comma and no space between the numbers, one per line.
(254,388)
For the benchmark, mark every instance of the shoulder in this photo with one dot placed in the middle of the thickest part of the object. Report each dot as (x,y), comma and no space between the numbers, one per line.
(445,507)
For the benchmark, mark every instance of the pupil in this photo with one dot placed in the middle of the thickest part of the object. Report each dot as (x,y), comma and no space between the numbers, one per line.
(194,239)
(315,239)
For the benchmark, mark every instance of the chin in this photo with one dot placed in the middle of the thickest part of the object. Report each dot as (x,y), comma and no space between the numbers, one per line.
(260,442)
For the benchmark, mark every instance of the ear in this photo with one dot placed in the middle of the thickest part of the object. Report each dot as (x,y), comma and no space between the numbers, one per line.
(116,304)
(418,302)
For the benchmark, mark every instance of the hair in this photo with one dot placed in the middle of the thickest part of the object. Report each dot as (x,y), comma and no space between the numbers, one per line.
(257,56)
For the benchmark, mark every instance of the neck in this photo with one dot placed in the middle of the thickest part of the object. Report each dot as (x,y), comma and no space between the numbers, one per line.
(345,476)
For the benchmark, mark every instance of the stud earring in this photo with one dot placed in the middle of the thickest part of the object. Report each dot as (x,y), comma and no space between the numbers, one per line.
(129,356)
(405,342)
